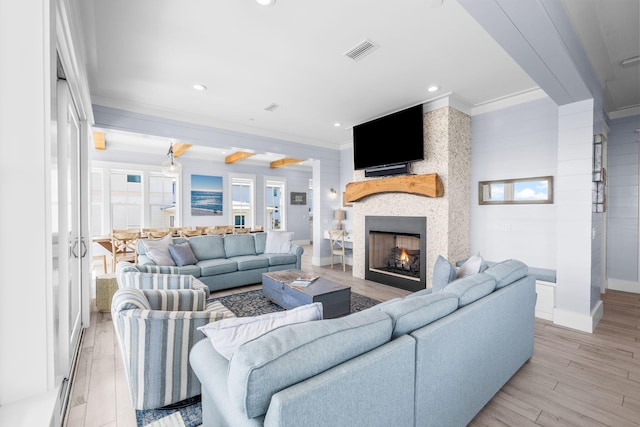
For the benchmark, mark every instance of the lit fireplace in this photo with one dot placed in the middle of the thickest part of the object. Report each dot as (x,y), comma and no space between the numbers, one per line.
(396,251)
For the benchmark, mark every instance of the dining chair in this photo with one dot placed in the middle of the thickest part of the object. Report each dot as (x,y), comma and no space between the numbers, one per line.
(336,240)
(241,230)
(123,246)
(155,233)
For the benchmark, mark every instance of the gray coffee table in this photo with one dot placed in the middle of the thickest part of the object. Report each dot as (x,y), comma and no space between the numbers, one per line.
(335,298)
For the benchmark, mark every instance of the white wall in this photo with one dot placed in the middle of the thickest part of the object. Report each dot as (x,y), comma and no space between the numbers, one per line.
(515,142)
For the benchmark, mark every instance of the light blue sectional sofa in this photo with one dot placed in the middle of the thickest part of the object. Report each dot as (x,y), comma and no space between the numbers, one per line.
(228,261)
(429,359)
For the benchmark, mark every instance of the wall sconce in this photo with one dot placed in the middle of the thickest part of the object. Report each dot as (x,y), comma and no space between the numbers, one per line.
(333,193)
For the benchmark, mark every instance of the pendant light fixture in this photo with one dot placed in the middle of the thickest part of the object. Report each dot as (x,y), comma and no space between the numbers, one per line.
(171,167)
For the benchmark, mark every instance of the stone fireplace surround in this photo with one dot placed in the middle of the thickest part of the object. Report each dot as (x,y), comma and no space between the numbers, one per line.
(447,139)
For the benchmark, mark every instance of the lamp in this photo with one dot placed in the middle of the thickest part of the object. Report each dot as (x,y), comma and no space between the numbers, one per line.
(333,193)
(339,215)
(171,167)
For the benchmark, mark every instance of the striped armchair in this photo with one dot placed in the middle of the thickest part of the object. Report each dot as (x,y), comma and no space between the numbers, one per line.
(155,277)
(156,330)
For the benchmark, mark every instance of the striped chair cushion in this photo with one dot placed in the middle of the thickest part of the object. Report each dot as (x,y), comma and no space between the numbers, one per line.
(176,299)
(156,281)
(163,269)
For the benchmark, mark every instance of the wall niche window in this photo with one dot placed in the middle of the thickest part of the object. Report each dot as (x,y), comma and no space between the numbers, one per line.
(516,191)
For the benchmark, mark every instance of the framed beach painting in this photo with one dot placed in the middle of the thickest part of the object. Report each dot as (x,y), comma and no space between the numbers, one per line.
(206,195)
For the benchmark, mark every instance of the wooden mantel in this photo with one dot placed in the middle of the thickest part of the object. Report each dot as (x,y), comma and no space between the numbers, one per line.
(428,185)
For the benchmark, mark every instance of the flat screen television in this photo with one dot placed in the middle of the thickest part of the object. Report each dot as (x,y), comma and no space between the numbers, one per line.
(389,140)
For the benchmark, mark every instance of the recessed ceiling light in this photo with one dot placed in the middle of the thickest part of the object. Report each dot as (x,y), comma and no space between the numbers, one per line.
(337,124)
(200,87)
(266,2)
(433,88)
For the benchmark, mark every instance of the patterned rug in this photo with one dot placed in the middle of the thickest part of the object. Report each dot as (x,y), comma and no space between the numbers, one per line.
(253,303)
(188,413)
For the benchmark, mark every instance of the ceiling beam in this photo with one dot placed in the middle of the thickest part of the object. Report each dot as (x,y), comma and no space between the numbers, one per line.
(98,141)
(237,156)
(179,148)
(284,162)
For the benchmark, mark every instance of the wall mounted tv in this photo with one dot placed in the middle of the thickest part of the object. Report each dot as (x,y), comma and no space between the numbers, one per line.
(396,139)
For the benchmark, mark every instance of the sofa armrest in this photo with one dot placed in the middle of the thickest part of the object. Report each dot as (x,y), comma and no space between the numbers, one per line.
(297,250)
(176,300)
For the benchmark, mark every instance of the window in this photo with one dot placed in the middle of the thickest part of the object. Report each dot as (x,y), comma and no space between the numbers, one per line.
(132,198)
(126,200)
(242,194)
(162,202)
(516,191)
(275,204)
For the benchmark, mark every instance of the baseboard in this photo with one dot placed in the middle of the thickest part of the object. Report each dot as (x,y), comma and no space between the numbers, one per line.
(573,320)
(623,285)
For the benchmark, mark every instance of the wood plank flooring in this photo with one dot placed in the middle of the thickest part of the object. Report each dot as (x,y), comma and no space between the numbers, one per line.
(573,379)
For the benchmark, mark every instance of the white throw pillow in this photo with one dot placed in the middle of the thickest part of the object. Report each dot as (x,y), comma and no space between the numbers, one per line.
(228,334)
(278,242)
(470,266)
(158,250)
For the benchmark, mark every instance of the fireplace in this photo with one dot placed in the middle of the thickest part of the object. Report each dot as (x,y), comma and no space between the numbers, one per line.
(395,251)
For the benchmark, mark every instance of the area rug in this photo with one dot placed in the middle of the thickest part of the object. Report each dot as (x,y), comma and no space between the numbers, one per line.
(251,303)
(187,413)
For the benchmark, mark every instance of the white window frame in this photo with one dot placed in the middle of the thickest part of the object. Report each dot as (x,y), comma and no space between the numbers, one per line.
(244,179)
(273,181)
(106,168)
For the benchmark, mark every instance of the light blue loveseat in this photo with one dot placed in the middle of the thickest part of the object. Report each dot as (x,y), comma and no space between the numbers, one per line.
(230,260)
(429,359)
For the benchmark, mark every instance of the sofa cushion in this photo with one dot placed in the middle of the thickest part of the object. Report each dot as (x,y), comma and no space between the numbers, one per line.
(409,314)
(239,244)
(158,250)
(471,288)
(280,259)
(182,254)
(212,267)
(278,242)
(261,242)
(507,272)
(443,273)
(207,247)
(228,334)
(293,353)
(193,270)
(251,262)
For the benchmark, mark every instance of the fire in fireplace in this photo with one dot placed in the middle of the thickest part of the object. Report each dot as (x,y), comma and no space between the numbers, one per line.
(395,251)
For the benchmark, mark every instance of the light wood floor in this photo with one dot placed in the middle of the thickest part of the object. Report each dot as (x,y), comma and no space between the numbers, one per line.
(573,379)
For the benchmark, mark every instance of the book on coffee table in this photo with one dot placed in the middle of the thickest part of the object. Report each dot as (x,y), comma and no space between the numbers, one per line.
(304,280)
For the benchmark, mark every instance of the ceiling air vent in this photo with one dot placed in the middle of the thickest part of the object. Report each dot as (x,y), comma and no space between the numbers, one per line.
(272,107)
(362,50)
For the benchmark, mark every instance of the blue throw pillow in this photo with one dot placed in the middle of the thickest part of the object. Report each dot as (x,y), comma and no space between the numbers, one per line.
(443,273)
(182,254)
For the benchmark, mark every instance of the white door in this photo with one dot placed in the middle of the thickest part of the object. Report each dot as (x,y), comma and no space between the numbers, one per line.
(71,248)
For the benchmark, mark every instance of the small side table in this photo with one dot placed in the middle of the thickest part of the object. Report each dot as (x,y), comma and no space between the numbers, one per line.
(106,286)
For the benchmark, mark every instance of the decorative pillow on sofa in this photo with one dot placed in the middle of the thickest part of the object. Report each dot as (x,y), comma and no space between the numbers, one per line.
(158,250)
(228,334)
(278,242)
(470,266)
(443,273)
(182,254)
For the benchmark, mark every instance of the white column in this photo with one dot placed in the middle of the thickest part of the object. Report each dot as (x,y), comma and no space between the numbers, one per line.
(574,305)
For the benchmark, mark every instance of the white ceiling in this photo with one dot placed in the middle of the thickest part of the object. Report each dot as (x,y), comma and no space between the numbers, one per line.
(145,56)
